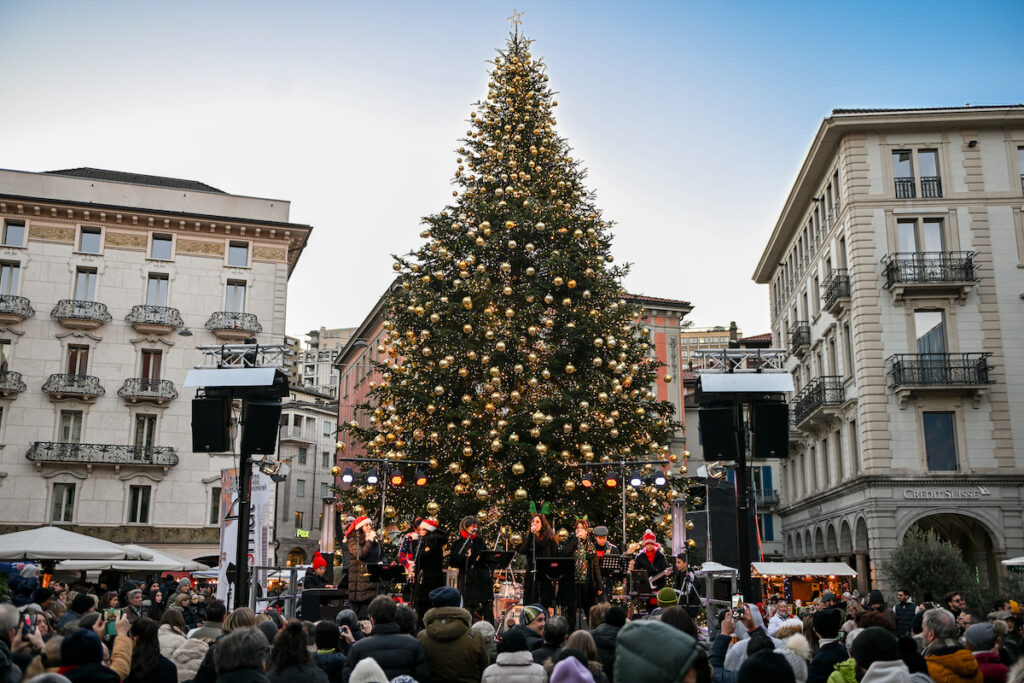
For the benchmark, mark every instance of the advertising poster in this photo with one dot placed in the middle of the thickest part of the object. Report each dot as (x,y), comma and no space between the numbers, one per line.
(259,528)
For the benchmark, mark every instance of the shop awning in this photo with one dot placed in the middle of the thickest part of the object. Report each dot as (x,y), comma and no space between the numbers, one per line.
(714,568)
(1014,562)
(160,562)
(55,543)
(802,569)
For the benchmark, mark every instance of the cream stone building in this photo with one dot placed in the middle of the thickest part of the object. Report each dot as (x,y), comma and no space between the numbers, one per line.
(896,273)
(109,282)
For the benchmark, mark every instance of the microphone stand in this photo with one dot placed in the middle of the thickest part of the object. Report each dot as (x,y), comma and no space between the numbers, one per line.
(464,565)
(416,572)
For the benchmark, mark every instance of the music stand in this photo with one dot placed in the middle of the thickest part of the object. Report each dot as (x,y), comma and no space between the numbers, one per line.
(555,568)
(497,559)
(613,566)
(638,579)
(381,573)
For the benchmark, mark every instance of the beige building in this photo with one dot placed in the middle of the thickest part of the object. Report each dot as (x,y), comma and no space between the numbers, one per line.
(693,339)
(108,282)
(896,273)
(315,363)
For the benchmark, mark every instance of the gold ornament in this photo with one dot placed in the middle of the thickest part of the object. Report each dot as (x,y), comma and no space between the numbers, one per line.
(335,471)
(481,494)
(432,463)
(545,480)
(570,485)
(569,369)
(516,539)
(454,467)
(340,447)
(521,494)
(667,379)
(359,511)
(460,490)
(518,468)
(433,508)
(689,525)
(690,543)
(390,511)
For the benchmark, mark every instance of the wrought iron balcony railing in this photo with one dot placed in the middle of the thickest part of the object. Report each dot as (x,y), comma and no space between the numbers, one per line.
(799,336)
(819,392)
(155,316)
(929,267)
(11,383)
(939,369)
(931,187)
(102,454)
(16,307)
(230,320)
(73,309)
(905,188)
(86,386)
(837,286)
(144,389)
(767,499)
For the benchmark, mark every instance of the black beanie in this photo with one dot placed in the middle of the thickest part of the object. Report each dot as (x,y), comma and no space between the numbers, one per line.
(827,623)
(512,641)
(42,595)
(82,603)
(874,644)
(765,667)
(81,647)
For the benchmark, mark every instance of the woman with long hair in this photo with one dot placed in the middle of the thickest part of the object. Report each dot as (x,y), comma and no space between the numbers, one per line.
(537,587)
(363,549)
(290,659)
(172,633)
(474,576)
(109,601)
(148,665)
(581,590)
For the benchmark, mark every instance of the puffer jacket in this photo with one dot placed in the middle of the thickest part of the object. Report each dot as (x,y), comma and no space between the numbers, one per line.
(514,667)
(187,657)
(455,652)
(653,652)
(604,637)
(992,667)
(953,665)
(396,652)
(170,640)
(297,674)
(845,672)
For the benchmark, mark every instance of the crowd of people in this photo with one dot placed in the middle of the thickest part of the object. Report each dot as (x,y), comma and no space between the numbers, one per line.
(170,632)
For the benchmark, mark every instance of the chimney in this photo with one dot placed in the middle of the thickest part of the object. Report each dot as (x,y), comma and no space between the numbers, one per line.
(733,331)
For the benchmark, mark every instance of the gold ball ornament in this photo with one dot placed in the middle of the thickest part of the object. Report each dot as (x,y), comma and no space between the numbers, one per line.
(335,471)
(545,480)
(569,369)
(454,467)
(340,447)
(689,525)
(432,463)
(359,511)
(666,379)
(516,539)
(570,485)
(390,511)
(521,494)
(690,543)
(482,494)
(518,468)
(433,508)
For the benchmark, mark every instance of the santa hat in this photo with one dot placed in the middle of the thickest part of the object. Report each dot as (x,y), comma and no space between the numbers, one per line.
(649,536)
(431,524)
(318,560)
(356,523)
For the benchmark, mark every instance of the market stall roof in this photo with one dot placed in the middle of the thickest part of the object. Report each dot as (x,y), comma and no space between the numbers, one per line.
(161,562)
(1014,562)
(55,543)
(714,568)
(803,569)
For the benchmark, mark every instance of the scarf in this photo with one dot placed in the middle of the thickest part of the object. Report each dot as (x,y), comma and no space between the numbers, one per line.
(583,548)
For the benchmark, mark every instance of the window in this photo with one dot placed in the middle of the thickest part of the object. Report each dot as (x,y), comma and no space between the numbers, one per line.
(940,442)
(300,488)
(63,506)
(10,275)
(930,330)
(151,361)
(5,354)
(927,162)
(85,284)
(903,173)
(14,233)
(766,526)
(238,254)
(1020,166)
(848,348)
(298,519)
(931,183)
(235,299)
(215,505)
(826,462)
(70,426)
(161,247)
(156,289)
(78,360)
(914,235)
(302,455)
(840,469)
(145,433)
(328,428)
(138,504)
(89,241)
(323,489)
(325,459)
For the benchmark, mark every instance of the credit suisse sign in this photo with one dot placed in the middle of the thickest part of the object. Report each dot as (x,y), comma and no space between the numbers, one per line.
(958,493)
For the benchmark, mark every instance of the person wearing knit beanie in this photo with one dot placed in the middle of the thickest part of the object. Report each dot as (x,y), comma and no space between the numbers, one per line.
(667,597)
(81,658)
(445,596)
(530,614)
(653,561)
(368,671)
(316,574)
(570,670)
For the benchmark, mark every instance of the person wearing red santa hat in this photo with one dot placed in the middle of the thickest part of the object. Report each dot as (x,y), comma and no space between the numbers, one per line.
(316,574)
(428,564)
(363,549)
(651,559)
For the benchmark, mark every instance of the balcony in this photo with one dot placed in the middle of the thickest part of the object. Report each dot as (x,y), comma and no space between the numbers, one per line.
(955,373)
(799,337)
(232,326)
(297,434)
(11,384)
(14,309)
(905,188)
(930,273)
(90,454)
(766,500)
(83,387)
(80,315)
(154,319)
(137,389)
(797,438)
(931,187)
(819,401)
(837,291)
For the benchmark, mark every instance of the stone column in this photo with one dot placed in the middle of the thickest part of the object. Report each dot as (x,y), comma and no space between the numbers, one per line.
(863,572)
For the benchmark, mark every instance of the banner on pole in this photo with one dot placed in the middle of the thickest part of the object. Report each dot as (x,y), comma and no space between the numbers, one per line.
(259,528)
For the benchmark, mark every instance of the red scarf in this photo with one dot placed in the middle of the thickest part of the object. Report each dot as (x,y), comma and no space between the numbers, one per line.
(650,555)
(466,535)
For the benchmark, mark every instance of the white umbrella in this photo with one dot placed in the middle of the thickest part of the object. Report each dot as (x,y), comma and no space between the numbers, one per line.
(161,562)
(1014,562)
(55,543)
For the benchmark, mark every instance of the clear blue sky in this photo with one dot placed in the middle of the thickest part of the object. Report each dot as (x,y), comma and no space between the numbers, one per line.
(692,118)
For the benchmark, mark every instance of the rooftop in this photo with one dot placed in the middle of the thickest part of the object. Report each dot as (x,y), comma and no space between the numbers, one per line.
(897,110)
(136,179)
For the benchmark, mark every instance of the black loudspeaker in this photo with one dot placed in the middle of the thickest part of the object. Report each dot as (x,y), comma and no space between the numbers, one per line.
(717,433)
(722,525)
(259,426)
(769,423)
(211,425)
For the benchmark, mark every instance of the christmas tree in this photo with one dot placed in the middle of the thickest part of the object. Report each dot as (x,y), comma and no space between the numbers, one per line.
(515,365)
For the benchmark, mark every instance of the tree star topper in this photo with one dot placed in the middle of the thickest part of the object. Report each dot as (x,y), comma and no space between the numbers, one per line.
(515,20)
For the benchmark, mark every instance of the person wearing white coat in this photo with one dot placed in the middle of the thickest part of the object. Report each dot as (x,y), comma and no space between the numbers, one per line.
(515,663)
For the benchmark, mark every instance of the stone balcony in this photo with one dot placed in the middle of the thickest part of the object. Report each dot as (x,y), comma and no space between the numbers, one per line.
(80,315)
(91,454)
(11,384)
(14,309)
(83,387)
(233,326)
(137,389)
(147,319)
(296,434)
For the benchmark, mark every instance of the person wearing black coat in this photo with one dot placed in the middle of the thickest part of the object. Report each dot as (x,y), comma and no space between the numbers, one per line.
(604,638)
(653,561)
(396,652)
(538,588)
(581,589)
(474,576)
(428,565)
(904,610)
(826,625)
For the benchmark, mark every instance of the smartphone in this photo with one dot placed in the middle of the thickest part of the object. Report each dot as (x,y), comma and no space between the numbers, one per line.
(28,626)
(110,615)
(737,605)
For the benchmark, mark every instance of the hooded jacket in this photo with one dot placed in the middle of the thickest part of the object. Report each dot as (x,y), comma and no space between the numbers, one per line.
(604,638)
(950,665)
(455,652)
(845,672)
(514,667)
(396,652)
(992,667)
(653,652)
(187,657)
